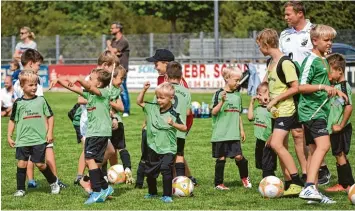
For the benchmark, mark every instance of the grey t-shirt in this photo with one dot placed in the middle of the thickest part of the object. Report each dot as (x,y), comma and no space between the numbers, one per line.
(22,47)
(122,46)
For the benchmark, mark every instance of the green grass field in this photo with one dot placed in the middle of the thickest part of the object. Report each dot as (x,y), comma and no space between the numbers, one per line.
(198,155)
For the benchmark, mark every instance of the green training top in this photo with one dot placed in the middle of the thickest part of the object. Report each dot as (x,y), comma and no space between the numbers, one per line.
(182,102)
(336,114)
(115,93)
(77,116)
(161,137)
(314,71)
(30,116)
(225,126)
(262,123)
(99,120)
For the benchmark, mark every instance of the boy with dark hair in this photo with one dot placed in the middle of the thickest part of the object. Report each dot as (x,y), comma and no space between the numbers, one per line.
(339,125)
(34,120)
(182,104)
(162,124)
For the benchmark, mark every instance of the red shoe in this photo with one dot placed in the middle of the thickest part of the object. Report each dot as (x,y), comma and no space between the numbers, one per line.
(221,187)
(246,182)
(336,188)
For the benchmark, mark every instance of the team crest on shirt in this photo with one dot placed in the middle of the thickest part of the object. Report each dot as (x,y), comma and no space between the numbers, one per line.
(288,40)
(304,42)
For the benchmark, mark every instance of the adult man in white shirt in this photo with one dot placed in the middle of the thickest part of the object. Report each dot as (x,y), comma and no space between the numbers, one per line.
(7,97)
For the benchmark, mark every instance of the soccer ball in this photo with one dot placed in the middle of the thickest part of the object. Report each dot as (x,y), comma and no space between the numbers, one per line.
(271,187)
(182,186)
(351,194)
(116,174)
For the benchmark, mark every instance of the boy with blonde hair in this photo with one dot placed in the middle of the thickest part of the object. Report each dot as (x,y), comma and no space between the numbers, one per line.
(162,124)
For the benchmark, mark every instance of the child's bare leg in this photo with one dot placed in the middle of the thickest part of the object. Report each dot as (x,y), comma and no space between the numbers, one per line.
(322,145)
(113,159)
(30,171)
(298,137)
(50,160)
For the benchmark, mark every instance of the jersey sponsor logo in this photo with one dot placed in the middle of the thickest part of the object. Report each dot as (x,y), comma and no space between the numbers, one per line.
(323,131)
(288,39)
(232,110)
(91,109)
(304,42)
(260,125)
(88,152)
(32,117)
(281,124)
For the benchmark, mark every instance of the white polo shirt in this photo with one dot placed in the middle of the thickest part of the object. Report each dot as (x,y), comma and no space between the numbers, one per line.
(6,98)
(18,92)
(296,42)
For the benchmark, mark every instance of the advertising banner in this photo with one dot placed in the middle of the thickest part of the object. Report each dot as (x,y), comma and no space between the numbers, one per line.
(43,73)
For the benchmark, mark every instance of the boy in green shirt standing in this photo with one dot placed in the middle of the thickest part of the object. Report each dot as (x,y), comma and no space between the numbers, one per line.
(34,121)
(339,125)
(162,125)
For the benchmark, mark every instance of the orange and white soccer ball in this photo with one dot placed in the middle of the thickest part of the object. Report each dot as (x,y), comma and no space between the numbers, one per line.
(271,187)
(182,186)
(351,194)
(116,174)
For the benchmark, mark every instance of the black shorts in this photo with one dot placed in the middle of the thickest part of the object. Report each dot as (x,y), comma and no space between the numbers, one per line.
(265,157)
(286,123)
(95,148)
(313,129)
(341,141)
(36,153)
(156,163)
(228,149)
(78,134)
(118,138)
(180,146)
(144,145)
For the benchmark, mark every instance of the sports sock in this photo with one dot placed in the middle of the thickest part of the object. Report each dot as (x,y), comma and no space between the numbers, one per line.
(48,174)
(103,181)
(348,179)
(104,168)
(180,169)
(308,184)
(243,167)
(95,175)
(287,184)
(324,168)
(296,179)
(268,173)
(219,172)
(21,178)
(152,185)
(126,159)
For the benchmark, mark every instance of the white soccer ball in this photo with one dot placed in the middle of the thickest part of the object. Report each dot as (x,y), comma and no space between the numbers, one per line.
(351,194)
(182,186)
(271,187)
(116,174)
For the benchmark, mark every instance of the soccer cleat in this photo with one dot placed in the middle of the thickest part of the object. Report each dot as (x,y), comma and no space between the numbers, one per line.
(55,188)
(150,196)
(129,176)
(293,190)
(138,186)
(106,193)
(323,176)
(94,197)
(166,199)
(194,180)
(32,184)
(19,193)
(61,184)
(246,182)
(336,188)
(325,200)
(125,115)
(77,180)
(221,187)
(311,193)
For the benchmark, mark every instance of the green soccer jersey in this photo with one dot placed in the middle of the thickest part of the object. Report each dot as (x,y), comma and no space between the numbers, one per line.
(225,125)
(115,93)
(161,137)
(336,114)
(262,123)
(77,116)
(98,108)
(30,116)
(314,71)
(182,101)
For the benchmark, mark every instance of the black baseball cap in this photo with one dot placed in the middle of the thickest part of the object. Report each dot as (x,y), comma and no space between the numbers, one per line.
(161,55)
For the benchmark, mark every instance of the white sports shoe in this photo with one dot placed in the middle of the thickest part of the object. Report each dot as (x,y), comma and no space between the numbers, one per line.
(246,182)
(55,188)
(311,193)
(325,200)
(19,193)
(125,115)
(129,176)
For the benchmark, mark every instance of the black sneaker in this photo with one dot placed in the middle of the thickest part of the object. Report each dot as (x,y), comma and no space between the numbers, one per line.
(194,180)
(61,184)
(323,176)
(138,186)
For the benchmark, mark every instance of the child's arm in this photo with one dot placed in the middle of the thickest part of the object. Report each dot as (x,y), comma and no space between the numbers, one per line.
(308,89)
(177,125)
(68,85)
(10,131)
(82,101)
(117,105)
(251,108)
(218,107)
(242,133)
(347,113)
(140,98)
(289,93)
(50,121)
(92,89)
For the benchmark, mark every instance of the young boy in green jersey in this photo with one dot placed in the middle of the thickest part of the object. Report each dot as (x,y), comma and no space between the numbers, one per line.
(339,125)
(313,107)
(162,125)
(34,121)
(99,128)
(182,105)
(227,129)
(285,119)
(265,157)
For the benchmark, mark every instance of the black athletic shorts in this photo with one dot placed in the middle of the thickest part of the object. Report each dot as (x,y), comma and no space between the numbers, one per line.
(156,163)
(265,157)
(180,146)
(118,138)
(228,149)
(78,134)
(286,123)
(313,129)
(95,148)
(36,153)
(341,141)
